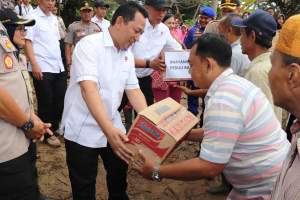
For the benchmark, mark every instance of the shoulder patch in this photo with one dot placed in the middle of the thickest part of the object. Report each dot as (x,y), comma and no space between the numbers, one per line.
(6,44)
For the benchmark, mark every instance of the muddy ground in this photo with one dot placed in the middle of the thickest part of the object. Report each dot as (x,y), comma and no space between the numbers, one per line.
(54,181)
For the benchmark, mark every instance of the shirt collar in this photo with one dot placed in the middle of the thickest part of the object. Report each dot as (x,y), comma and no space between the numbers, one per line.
(237,42)
(41,13)
(214,86)
(107,39)
(261,57)
(149,26)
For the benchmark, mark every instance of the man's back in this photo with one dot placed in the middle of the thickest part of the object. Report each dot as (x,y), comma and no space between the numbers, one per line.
(242,132)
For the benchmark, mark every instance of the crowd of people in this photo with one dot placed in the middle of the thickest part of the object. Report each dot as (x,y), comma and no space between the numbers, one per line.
(245,69)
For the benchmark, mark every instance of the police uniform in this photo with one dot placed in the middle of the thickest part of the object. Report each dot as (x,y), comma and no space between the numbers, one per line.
(78,30)
(14,158)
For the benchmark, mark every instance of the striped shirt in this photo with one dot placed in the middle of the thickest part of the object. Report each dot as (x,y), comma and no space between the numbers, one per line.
(242,132)
(287,186)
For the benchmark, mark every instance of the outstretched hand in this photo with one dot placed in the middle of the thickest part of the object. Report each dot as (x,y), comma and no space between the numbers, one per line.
(117,140)
(143,165)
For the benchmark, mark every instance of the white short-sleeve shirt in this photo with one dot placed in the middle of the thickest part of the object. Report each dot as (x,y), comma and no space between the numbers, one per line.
(103,23)
(45,37)
(95,58)
(151,44)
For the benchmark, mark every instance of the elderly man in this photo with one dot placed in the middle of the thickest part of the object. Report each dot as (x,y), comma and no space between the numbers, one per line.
(240,137)
(258,31)
(239,61)
(284,80)
(102,69)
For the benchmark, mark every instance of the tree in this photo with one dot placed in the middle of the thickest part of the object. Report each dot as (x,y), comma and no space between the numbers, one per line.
(286,7)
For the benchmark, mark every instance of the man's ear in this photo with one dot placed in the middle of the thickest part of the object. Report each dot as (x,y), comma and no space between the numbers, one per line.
(210,65)
(294,75)
(119,21)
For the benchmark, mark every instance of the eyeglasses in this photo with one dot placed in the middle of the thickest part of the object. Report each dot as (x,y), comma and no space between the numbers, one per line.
(21,28)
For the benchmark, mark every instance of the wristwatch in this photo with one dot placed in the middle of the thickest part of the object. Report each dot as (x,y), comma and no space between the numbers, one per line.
(27,126)
(156,174)
(147,63)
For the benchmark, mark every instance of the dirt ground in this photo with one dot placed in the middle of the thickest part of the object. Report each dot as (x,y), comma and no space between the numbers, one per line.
(54,181)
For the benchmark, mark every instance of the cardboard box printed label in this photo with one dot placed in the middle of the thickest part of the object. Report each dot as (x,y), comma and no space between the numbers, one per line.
(159,128)
(177,66)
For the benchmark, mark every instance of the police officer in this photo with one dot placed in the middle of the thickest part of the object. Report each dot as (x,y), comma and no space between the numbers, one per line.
(79,29)
(18,123)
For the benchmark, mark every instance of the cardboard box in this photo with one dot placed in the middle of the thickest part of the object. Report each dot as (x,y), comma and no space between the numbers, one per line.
(159,128)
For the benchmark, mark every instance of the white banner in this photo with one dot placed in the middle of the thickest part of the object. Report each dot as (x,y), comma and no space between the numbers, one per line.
(177,66)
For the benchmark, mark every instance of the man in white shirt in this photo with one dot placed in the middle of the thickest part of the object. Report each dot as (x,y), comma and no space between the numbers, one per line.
(24,8)
(239,61)
(46,67)
(102,69)
(147,51)
(100,12)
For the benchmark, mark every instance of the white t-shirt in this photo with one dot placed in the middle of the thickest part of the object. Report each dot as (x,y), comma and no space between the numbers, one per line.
(95,58)
(239,61)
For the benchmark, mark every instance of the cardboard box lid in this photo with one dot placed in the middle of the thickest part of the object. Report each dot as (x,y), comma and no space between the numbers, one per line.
(161,110)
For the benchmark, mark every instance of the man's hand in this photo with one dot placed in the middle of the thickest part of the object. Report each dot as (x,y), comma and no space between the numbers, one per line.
(37,72)
(295,127)
(144,166)
(39,129)
(158,64)
(117,141)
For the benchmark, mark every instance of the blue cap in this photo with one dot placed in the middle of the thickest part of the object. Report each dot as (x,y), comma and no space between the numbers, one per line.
(207,11)
(261,21)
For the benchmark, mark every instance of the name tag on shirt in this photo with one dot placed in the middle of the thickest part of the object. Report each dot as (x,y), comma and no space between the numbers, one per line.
(177,66)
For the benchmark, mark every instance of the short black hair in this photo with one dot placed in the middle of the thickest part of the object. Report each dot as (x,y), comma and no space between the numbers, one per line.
(215,46)
(227,22)
(128,11)
(287,59)
(265,42)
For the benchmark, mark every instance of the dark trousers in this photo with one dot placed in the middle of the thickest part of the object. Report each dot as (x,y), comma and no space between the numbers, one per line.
(50,93)
(16,179)
(83,167)
(146,87)
(193,102)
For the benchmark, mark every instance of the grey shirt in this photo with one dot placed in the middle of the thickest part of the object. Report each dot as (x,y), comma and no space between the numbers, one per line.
(77,30)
